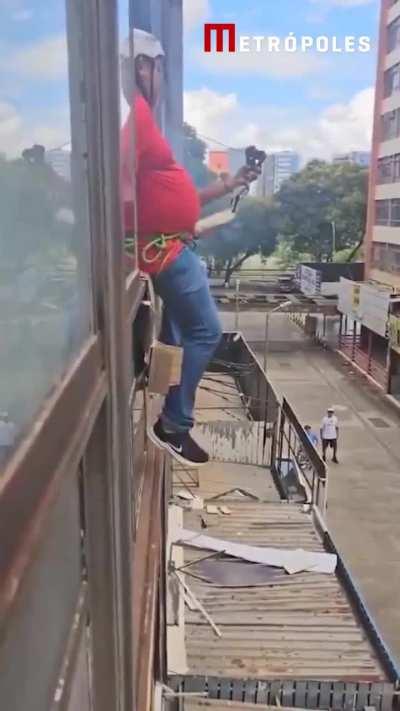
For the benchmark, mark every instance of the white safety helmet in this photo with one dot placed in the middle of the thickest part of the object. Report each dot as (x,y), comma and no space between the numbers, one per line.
(144,45)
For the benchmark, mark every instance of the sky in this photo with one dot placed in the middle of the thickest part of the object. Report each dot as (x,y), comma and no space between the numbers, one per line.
(317,104)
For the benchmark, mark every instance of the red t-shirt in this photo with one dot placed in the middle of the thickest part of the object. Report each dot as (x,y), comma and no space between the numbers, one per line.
(167,200)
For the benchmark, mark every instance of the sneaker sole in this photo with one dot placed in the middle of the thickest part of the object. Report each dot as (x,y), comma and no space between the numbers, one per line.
(178,457)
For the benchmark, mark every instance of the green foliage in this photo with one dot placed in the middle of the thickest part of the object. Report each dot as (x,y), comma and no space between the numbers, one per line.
(30,196)
(254,231)
(318,196)
(194,156)
(286,255)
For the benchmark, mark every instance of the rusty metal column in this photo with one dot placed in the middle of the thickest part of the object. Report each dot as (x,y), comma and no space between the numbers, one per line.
(388,384)
(353,349)
(369,352)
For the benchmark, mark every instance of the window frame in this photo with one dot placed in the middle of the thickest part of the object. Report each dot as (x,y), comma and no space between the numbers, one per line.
(84,422)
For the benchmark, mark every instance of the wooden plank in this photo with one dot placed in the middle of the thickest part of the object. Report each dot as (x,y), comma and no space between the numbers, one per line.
(338,696)
(265,618)
(325,695)
(300,695)
(221,705)
(350,696)
(250,695)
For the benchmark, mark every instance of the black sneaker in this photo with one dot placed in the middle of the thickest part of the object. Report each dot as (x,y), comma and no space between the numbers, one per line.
(181,445)
(335,461)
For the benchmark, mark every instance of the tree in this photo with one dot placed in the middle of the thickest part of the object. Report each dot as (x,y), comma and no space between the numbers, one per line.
(322,205)
(254,231)
(31,194)
(194,157)
(286,255)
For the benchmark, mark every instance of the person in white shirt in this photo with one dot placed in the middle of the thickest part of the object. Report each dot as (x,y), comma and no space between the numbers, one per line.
(330,434)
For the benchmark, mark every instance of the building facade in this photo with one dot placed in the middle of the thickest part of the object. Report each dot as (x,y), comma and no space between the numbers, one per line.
(236,159)
(218,162)
(60,161)
(371,315)
(286,164)
(277,168)
(361,158)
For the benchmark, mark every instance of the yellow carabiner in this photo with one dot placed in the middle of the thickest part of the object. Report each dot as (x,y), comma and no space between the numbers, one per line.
(160,243)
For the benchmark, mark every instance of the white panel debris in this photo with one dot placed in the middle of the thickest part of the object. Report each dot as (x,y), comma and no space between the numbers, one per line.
(293,561)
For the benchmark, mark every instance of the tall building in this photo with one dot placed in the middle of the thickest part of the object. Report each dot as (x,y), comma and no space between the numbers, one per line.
(236,159)
(265,184)
(286,164)
(371,309)
(277,168)
(60,161)
(362,158)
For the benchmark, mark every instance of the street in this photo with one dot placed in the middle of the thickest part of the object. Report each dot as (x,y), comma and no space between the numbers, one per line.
(364,489)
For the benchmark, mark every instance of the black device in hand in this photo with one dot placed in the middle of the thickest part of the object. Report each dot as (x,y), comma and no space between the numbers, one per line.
(254,161)
(255,158)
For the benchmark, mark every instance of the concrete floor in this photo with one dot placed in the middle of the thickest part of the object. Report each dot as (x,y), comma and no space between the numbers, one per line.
(364,489)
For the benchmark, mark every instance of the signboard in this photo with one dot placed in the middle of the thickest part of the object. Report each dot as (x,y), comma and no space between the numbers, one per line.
(374,308)
(310,281)
(356,297)
(330,288)
(349,297)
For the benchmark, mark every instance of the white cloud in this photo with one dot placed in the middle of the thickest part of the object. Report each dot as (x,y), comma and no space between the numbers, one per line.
(18,132)
(273,64)
(10,125)
(338,128)
(208,111)
(43,60)
(195,12)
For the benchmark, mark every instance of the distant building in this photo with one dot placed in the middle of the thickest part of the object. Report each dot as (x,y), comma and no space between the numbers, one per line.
(218,162)
(277,168)
(236,159)
(362,158)
(60,161)
(265,183)
(286,164)
(371,309)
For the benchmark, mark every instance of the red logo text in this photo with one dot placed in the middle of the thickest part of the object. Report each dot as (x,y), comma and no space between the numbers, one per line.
(220,31)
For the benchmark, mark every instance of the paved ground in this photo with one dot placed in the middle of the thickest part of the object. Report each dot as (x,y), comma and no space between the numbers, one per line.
(364,489)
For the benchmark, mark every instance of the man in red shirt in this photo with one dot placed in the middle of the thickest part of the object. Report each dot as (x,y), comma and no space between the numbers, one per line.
(167,208)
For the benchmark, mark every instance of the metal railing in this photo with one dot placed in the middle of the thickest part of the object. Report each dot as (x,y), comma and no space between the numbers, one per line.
(350,346)
(298,467)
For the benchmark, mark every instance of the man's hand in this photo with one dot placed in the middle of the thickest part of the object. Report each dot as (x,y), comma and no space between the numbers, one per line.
(228,184)
(242,179)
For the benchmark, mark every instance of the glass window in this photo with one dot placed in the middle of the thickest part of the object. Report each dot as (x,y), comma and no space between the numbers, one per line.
(390,125)
(395,212)
(382,212)
(396,168)
(45,295)
(385,170)
(393,39)
(127,66)
(392,81)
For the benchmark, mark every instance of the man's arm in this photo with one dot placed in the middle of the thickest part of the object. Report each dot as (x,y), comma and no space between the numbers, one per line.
(227,184)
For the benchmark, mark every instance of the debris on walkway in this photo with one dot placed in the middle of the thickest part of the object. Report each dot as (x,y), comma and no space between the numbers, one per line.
(293,561)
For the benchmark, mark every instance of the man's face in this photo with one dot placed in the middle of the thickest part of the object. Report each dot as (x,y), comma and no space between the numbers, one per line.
(151,76)
(330,413)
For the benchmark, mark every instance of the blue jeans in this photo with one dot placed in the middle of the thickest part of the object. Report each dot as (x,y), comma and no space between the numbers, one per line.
(190,320)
